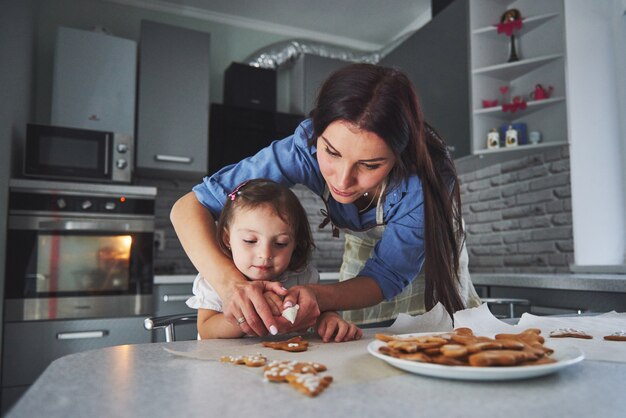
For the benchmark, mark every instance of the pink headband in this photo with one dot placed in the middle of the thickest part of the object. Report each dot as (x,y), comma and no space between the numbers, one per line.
(232,195)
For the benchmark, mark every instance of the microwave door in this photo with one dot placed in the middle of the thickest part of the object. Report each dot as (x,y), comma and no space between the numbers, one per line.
(108,148)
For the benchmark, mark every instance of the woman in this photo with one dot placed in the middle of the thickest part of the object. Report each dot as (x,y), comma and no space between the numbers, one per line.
(387,179)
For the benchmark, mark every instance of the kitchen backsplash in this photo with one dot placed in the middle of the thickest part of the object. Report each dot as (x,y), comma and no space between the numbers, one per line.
(517,214)
(173,260)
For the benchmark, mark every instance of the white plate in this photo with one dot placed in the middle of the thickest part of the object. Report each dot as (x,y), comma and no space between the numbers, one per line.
(564,356)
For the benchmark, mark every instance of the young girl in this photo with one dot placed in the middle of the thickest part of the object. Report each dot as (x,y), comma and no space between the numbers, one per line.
(264,229)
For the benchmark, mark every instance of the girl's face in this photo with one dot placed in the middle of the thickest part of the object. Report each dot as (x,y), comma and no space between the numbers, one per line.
(353,161)
(261,242)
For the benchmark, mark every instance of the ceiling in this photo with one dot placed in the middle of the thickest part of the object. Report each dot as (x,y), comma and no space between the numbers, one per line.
(362,24)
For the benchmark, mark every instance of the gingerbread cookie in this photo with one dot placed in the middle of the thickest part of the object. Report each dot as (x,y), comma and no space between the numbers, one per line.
(570,333)
(530,335)
(499,358)
(616,336)
(295,344)
(251,360)
(277,371)
(309,384)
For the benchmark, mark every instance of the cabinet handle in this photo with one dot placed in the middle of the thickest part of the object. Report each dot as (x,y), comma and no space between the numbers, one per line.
(176,298)
(81,335)
(173,159)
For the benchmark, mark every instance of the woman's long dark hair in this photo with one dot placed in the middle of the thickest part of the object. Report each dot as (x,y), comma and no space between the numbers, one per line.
(383,101)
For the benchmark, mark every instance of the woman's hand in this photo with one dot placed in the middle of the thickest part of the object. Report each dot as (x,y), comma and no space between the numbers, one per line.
(331,324)
(247,306)
(309,309)
(275,302)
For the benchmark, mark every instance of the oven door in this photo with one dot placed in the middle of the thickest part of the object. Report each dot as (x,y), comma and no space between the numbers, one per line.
(66,267)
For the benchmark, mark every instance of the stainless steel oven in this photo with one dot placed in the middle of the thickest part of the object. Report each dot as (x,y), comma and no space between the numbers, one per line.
(77,250)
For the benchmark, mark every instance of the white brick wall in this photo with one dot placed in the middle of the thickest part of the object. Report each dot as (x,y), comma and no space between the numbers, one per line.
(518,214)
(518,217)
(173,260)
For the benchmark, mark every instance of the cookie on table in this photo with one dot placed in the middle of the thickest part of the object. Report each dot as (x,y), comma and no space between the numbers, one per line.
(570,333)
(616,336)
(309,384)
(277,371)
(294,345)
(250,360)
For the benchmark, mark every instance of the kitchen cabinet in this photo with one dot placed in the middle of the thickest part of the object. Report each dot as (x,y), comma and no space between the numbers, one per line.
(558,301)
(173,101)
(237,132)
(307,76)
(94,81)
(436,60)
(29,347)
(540,48)
(169,299)
(552,294)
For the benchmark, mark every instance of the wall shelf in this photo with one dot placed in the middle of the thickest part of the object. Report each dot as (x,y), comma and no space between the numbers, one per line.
(512,70)
(540,44)
(521,147)
(530,107)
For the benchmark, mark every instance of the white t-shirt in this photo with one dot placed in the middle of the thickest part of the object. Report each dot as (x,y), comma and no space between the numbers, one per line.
(205,296)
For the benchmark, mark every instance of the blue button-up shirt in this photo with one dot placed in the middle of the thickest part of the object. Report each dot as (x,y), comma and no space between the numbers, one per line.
(398,257)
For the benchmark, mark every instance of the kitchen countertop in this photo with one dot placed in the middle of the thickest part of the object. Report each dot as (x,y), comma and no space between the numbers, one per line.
(188,278)
(145,380)
(586,282)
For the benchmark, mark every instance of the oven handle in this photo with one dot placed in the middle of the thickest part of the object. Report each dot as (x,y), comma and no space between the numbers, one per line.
(173,159)
(84,226)
(35,223)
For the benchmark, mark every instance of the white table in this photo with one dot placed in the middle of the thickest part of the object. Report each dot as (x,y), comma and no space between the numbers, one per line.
(146,381)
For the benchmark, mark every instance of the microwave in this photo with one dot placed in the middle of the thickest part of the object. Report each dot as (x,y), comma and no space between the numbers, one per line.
(56,152)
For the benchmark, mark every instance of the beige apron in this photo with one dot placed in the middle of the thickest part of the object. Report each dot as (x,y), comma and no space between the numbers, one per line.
(359,247)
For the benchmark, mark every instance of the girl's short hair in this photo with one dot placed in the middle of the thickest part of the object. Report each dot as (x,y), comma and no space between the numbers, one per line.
(255,193)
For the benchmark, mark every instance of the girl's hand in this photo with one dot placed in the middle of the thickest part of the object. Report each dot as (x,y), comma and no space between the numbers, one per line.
(247,306)
(309,309)
(331,324)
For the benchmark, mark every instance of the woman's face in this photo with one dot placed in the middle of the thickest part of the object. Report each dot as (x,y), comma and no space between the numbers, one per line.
(353,161)
(261,242)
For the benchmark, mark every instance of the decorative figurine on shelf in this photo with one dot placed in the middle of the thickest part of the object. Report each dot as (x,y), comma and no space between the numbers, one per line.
(534,137)
(511,137)
(519,127)
(540,92)
(511,21)
(518,103)
(490,103)
(504,90)
(493,139)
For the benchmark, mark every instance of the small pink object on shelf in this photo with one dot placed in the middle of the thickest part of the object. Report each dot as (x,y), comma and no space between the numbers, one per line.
(490,103)
(541,93)
(518,103)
